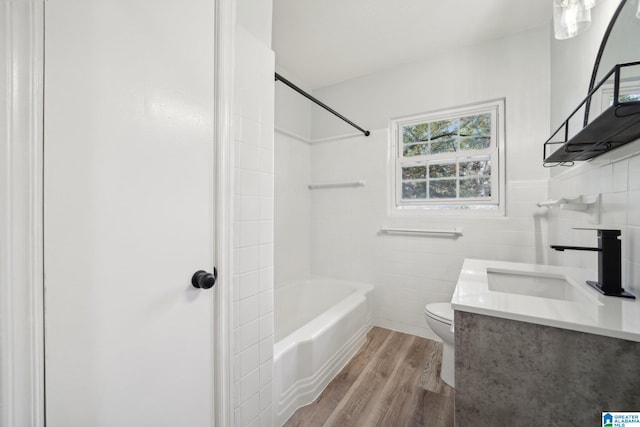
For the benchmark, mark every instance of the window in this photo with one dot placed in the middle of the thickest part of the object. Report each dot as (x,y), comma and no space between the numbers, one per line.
(629,91)
(450,159)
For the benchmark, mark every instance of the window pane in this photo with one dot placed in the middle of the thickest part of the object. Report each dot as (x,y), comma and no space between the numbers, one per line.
(444,145)
(475,187)
(447,159)
(442,170)
(444,128)
(479,167)
(414,190)
(442,189)
(414,172)
(475,143)
(476,125)
(415,150)
(415,133)
(631,97)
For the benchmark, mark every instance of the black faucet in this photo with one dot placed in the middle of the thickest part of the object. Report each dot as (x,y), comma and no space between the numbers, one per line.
(609,263)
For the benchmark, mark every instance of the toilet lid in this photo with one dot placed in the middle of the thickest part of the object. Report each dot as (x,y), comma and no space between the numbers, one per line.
(441,311)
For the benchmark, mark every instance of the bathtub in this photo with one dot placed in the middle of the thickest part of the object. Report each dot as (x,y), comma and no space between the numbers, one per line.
(319,325)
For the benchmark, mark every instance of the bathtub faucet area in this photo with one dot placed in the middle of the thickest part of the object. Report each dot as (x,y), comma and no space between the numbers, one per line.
(609,263)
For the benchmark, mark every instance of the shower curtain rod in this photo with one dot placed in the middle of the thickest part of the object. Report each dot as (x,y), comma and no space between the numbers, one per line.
(320,103)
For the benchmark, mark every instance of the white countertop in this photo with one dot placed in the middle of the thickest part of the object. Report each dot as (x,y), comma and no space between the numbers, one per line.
(592,312)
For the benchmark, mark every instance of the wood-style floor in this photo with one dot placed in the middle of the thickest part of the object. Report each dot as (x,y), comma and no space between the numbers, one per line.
(394,380)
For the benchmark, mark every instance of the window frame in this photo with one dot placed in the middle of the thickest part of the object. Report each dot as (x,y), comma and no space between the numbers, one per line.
(630,87)
(495,153)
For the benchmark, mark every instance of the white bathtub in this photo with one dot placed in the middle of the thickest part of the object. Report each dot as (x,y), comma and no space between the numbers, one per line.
(319,325)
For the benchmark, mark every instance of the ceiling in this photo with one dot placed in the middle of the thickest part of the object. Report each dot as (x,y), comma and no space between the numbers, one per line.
(323,42)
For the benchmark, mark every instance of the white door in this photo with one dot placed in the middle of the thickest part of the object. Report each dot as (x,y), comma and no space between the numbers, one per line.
(129,205)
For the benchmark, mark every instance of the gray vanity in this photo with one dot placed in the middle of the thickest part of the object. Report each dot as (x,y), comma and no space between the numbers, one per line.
(536,346)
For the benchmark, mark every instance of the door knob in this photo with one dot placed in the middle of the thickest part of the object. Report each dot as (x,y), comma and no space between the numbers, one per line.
(203,280)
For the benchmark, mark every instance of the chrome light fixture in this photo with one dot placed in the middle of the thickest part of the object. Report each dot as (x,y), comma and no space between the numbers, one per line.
(571,17)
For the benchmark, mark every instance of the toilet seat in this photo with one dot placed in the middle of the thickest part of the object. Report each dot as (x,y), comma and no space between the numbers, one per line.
(440,311)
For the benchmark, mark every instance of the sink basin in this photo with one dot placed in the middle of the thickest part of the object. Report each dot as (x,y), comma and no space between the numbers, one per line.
(547,295)
(541,285)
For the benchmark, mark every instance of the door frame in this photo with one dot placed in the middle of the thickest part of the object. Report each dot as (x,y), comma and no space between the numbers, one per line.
(225,23)
(22,352)
(21,219)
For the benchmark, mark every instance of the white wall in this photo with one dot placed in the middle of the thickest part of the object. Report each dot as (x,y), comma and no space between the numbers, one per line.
(253,215)
(293,111)
(618,182)
(292,175)
(615,175)
(254,16)
(409,272)
(292,210)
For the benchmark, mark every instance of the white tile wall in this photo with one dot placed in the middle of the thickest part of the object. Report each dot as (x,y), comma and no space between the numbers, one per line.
(409,272)
(338,229)
(253,231)
(292,219)
(616,176)
(292,204)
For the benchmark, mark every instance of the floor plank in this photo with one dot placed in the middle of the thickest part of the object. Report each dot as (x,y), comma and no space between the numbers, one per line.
(316,413)
(361,398)
(403,397)
(394,380)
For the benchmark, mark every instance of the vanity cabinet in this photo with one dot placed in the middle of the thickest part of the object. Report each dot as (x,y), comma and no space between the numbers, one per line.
(515,373)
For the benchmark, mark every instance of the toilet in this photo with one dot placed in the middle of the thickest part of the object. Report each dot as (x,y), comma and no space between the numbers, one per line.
(439,317)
